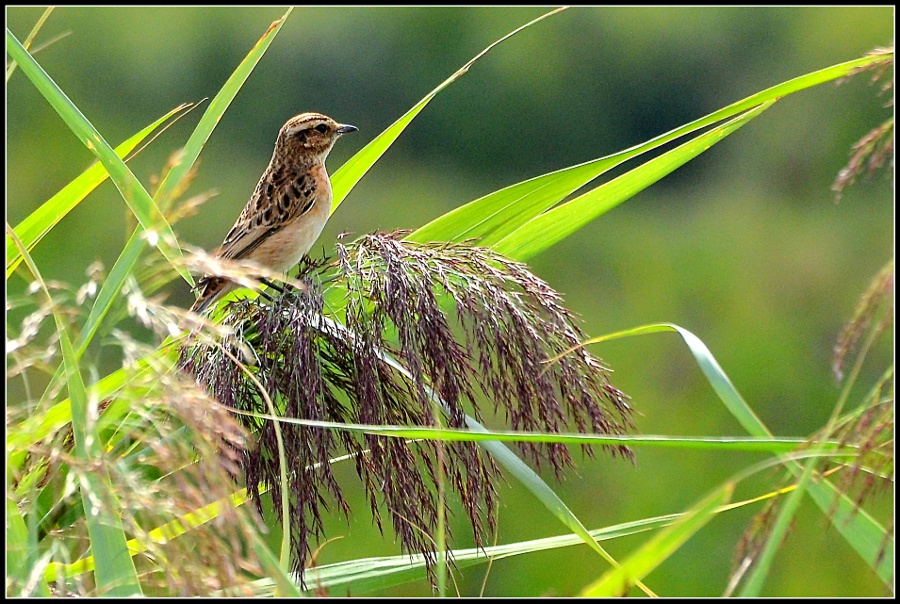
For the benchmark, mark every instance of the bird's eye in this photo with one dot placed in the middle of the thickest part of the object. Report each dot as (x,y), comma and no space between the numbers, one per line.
(322,128)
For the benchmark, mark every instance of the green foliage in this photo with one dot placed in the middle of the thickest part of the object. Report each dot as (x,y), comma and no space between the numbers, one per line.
(115,482)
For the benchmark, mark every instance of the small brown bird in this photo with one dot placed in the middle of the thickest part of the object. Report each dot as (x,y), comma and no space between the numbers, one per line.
(289,207)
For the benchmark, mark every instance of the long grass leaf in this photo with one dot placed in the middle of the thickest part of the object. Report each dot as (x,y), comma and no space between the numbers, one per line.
(367,574)
(553,226)
(11,68)
(346,177)
(862,532)
(33,228)
(714,373)
(132,191)
(496,215)
(724,443)
(115,574)
(213,114)
(618,581)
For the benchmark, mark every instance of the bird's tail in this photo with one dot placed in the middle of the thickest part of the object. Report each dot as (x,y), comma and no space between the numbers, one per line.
(211,289)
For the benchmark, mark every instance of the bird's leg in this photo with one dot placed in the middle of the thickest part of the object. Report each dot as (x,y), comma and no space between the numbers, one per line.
(267,296)
(268,283)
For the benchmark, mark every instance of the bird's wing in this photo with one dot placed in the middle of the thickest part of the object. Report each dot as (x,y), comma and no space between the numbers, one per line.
(276,202)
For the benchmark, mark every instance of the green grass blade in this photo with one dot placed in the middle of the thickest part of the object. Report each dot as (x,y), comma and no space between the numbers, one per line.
(21,553)
(498,214)
(346,177)
(41,425)
(368,574)
(555,225)
(718,443)
(125,263)
(29,39)
(618,581)
(132,191)
(785,515)
(213,114)
(31,230)
(862,532)
(714,373)
(115,574)
(106,297)
(872,541)
(494,216)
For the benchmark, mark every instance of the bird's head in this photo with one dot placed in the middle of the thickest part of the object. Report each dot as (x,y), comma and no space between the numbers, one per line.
(308,137)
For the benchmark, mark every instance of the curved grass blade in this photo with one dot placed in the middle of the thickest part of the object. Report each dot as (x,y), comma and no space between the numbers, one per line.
(346,177)
(863,533)
(132,191)
(368,574)
(714,373)
(33,228)
(498,214)
(553,226)
(787,512)
(213,114)
(618,581)
(115,574)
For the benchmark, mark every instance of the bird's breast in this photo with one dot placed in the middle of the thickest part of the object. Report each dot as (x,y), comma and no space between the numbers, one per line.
(296,236)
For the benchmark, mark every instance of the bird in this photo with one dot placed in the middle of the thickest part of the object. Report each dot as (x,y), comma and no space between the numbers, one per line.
(288,208)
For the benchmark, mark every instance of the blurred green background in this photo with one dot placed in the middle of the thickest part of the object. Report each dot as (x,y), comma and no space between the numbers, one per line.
(744,246)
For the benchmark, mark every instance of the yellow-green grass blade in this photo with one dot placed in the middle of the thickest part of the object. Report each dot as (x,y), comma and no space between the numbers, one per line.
(618,581)
(717,443)
(160,536)
(714,373)
(108,295)
(495,216)
(30,38)
(33,228)
(115,574)
(132,191)
(112,286)
(346,177)
(784,516)
(213,114)
(375,573)
(367,574)
(42,424)
(786,513)
(873,542)
(22,555)
(553,226)
(864,534)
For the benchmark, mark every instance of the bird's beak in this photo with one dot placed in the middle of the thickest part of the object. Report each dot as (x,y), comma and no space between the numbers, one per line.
(345,128)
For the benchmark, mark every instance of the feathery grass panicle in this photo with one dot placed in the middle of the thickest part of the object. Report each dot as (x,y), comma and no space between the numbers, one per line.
(877,146)
(170,451)
(506,324)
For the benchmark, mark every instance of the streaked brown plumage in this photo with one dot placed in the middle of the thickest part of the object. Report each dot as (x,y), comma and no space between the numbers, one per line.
(289,207)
